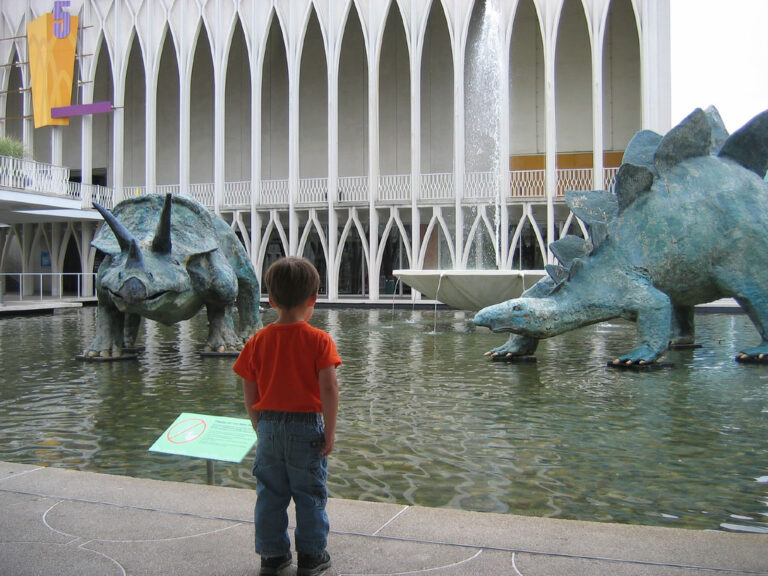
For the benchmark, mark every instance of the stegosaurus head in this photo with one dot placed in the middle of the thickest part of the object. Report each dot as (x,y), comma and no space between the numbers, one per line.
(650,156)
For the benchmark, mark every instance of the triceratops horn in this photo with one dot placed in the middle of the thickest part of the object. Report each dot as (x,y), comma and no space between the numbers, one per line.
(124,237)
(161,243)
(135,258)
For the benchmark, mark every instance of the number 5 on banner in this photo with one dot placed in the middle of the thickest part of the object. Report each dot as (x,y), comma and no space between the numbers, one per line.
(60,19)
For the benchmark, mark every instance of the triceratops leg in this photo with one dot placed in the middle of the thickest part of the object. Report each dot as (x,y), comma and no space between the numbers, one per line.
(108,341)
(221,330)
(131,331)
(683,331)
(653,313)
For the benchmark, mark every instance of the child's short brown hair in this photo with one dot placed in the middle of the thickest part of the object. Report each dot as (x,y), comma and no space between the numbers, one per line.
(291,281)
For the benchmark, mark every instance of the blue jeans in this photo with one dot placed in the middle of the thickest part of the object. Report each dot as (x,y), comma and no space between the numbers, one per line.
(289,465)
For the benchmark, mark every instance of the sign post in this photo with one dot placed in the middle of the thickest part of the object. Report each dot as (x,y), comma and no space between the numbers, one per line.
(209,437)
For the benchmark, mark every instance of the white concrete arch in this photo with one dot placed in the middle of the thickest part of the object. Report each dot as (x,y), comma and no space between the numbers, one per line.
(569,222)
(353,220)
(275,224)
(238,225)
(7,237)
(526,216)
(481,221)
(314,222)
(395,222)
(438,221)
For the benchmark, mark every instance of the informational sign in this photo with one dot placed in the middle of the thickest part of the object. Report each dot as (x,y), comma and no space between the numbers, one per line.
(209,437)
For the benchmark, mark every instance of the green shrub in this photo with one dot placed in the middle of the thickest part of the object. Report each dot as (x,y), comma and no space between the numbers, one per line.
(10,146)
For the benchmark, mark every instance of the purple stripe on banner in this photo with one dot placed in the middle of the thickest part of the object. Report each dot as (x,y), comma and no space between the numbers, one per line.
(81,109)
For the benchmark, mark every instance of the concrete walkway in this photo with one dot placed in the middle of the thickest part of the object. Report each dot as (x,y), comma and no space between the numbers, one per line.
(63,522)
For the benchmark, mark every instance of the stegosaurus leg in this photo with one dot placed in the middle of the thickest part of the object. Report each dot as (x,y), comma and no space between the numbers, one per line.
(516,345)
(757,311)
(683,332)
(653,312)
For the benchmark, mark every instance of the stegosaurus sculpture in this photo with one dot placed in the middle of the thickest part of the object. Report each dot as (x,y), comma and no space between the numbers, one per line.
(687,224)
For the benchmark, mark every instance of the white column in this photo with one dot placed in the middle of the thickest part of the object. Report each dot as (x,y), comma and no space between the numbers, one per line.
(655,72)
(373,177)
(219,124)
(86,147)
(255,199)
(549,39)
(56,145)
(294,75)
(459,156)
(415,60)
(118,142)
(150,130)
(503,166)
(597,31)
(332,286)
(185,94)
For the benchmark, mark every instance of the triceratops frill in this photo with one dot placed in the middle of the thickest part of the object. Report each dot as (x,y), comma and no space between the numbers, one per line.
(687,224)
(165,258)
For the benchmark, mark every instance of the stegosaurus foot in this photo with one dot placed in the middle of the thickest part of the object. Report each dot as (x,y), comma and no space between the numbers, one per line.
(757,354)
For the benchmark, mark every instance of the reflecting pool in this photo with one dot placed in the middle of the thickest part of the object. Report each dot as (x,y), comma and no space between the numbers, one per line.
(426,419)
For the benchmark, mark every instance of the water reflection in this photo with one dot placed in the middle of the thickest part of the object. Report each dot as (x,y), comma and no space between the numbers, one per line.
(426,419)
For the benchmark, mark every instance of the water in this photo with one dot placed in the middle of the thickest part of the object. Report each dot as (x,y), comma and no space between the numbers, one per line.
(483,73)
(426,419)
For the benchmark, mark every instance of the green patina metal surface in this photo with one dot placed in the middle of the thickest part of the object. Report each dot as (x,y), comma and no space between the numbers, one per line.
(687,224)
(166,258)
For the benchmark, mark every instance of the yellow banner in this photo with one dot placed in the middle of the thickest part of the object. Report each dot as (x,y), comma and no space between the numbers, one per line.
(51,67)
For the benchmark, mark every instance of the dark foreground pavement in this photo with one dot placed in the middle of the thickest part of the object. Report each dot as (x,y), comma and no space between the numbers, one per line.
(62,522)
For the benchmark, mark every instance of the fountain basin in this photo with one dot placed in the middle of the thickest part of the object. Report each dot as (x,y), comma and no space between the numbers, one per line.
(470,289)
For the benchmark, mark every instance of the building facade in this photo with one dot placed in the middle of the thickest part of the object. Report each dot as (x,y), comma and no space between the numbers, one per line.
(366,135)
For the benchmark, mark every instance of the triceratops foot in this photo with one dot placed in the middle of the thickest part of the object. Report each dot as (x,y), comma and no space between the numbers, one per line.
(756,354)
(112,352)
(516,346)
(223,341)
(641,355)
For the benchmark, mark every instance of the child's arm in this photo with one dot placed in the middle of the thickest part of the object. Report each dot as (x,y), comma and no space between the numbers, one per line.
(329,396)
(251,394)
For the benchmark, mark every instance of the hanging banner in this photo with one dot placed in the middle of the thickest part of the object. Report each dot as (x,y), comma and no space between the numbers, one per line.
(51,42)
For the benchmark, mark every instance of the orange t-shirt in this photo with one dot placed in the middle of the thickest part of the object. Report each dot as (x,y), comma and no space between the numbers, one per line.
(284,360)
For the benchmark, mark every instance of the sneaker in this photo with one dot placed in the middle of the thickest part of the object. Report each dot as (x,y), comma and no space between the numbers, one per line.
(274,565)
(313,564)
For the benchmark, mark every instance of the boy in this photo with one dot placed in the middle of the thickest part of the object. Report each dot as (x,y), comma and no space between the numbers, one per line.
(292,397)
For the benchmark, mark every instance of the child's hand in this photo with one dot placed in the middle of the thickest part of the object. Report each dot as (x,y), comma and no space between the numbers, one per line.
(329,440)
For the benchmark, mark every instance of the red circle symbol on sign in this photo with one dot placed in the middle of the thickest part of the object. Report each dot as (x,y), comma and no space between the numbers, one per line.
(186,431)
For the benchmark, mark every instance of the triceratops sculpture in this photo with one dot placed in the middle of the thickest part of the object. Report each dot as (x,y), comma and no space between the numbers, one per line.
(687,224)
(166,257)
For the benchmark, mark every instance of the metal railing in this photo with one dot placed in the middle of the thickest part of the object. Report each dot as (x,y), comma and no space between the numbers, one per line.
(312,191)
(237,194)
(573,179)
(274,192)
(391,189)
(395,188)
(34,176)
(525,184)
(353,189)
(437,186)
(28,286)
(90,193)
(481,185)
